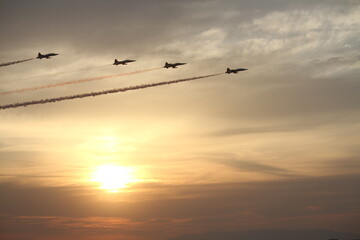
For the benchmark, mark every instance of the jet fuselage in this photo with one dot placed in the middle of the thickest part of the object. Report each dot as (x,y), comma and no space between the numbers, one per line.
(228,70)
(47,56)
(173,65)
(123,62)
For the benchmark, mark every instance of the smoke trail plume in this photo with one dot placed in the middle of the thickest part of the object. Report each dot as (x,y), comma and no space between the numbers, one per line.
(74,71)
(76,81)
(94,94)
(15,62)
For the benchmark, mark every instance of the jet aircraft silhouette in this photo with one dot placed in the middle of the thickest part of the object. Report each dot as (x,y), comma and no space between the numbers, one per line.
(123,62)
(228,70)
(173,65)
(47,56)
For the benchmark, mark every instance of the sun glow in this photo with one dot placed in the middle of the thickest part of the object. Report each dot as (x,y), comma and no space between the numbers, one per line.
(113,177)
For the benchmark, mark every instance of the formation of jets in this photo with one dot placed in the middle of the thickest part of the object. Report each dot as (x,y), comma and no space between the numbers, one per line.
(47,56)
(124,62)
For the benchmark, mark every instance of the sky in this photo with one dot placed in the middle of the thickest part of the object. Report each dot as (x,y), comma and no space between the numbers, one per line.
(273,147)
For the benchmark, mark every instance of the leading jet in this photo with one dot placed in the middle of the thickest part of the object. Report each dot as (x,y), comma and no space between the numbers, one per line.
(47,56)
(173,65)
(228,70)
(123,62)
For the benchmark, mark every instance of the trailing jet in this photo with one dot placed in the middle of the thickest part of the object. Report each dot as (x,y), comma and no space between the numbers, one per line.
(47,56)
(124,62)
(173,65)
(228,70)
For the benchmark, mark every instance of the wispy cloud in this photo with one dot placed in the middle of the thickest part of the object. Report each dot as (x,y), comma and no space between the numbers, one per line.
(200,207)
(252,166)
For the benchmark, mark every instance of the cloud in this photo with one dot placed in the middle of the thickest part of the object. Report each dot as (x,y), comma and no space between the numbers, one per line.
(207,45)
(80,201)
(317,202)
(252,166)
(269,234)
(298,32)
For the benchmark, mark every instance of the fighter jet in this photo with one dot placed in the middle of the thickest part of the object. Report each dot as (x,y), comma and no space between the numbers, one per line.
(47,56)
(228,70)
(173,65)
(124,62)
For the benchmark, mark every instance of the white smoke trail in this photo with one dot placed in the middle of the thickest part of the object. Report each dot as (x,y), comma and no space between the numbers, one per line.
(76,81)
(15,62)
(94,94)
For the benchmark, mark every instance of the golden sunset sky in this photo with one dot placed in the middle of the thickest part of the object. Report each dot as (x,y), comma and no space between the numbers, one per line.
(274,147)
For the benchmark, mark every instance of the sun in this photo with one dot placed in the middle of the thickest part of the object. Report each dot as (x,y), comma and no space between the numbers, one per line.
(113,177)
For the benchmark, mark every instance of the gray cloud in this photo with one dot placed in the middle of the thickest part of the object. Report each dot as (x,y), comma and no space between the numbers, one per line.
(269,234)
(252,166)
(256,130)
(320,201)
(333,194)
